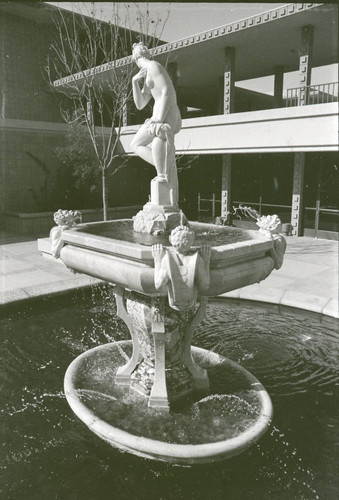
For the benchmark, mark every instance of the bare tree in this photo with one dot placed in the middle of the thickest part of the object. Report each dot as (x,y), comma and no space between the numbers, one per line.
(82,66)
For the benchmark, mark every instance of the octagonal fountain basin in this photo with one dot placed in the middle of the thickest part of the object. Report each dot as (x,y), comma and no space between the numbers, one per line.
(112,251)
(223,424)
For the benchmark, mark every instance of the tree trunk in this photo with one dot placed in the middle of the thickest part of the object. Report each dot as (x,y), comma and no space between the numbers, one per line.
(104,193)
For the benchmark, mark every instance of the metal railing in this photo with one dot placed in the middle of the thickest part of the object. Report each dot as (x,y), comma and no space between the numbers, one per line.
(211,205)
(312,94)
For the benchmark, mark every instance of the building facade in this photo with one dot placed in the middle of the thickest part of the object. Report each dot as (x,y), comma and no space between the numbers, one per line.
(33,180)
(276,153)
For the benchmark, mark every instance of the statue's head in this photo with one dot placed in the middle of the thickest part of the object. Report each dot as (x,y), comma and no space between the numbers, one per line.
(181,238)
(140,50)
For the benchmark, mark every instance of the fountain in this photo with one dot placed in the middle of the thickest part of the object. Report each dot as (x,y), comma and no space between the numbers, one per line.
(163,269)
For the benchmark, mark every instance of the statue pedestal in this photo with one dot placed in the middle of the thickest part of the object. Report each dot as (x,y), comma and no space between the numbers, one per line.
(161,214)
(161,367)
(162,194)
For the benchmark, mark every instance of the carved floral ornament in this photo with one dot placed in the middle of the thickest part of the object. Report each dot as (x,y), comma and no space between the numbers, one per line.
(65,219)
(270,226)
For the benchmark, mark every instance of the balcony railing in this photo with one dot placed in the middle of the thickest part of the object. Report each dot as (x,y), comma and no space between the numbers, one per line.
(312,94)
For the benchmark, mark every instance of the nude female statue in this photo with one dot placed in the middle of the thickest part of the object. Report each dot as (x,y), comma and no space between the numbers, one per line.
(159,130)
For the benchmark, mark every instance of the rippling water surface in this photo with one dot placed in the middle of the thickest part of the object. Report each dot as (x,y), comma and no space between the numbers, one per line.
(204,234)
(47,453)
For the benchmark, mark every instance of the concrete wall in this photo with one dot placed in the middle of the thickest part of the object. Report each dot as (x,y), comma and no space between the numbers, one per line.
(28,168)
(27,157)
(24,89)
(31,127)
(40,224)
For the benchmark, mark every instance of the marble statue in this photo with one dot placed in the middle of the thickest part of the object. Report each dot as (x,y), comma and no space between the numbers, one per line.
(154,141)
(182,271)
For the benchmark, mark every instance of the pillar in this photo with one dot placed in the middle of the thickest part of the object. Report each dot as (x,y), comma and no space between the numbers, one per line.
(278,86)
(305,63)
(228,92)
(229,88)
(159,394)
(161,367)
(297,196)
(226,187)
(305,69)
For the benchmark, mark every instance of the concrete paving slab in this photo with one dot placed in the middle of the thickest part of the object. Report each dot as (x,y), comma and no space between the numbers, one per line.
(304,301)
(291,268)
(10,265)
(268,294)
(276,280)
(331,309)
(26,278)
(8,297)
(60,286)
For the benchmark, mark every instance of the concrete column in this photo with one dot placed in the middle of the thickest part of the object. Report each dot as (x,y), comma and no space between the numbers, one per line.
(278,86)
(226,177)
(297,196)
(229,80)
(305,63)
(228,107)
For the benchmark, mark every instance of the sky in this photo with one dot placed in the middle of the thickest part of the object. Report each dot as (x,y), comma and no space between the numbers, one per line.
(185,19)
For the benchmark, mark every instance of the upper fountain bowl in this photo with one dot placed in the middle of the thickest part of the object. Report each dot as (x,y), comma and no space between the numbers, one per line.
(113,252)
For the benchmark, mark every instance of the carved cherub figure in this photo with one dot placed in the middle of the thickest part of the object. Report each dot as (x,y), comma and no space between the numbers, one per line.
(183,271)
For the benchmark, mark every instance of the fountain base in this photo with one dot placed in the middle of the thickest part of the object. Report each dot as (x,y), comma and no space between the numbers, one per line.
(157,219)
(223,424)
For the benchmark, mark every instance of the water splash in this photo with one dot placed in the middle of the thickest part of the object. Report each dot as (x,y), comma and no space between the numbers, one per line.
(287,465)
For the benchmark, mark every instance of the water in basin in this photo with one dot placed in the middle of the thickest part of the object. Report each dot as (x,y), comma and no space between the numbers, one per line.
(204,234)
(48,453)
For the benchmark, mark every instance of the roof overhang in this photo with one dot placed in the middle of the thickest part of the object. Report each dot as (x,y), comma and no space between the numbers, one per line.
(261,43)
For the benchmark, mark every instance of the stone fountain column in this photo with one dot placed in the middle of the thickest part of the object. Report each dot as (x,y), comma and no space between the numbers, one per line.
(161,366)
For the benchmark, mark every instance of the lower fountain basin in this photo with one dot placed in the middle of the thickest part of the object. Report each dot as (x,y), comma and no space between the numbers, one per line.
(235,414)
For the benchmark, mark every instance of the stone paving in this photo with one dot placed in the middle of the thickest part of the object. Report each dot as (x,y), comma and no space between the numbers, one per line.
(308,278)
(25,273)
